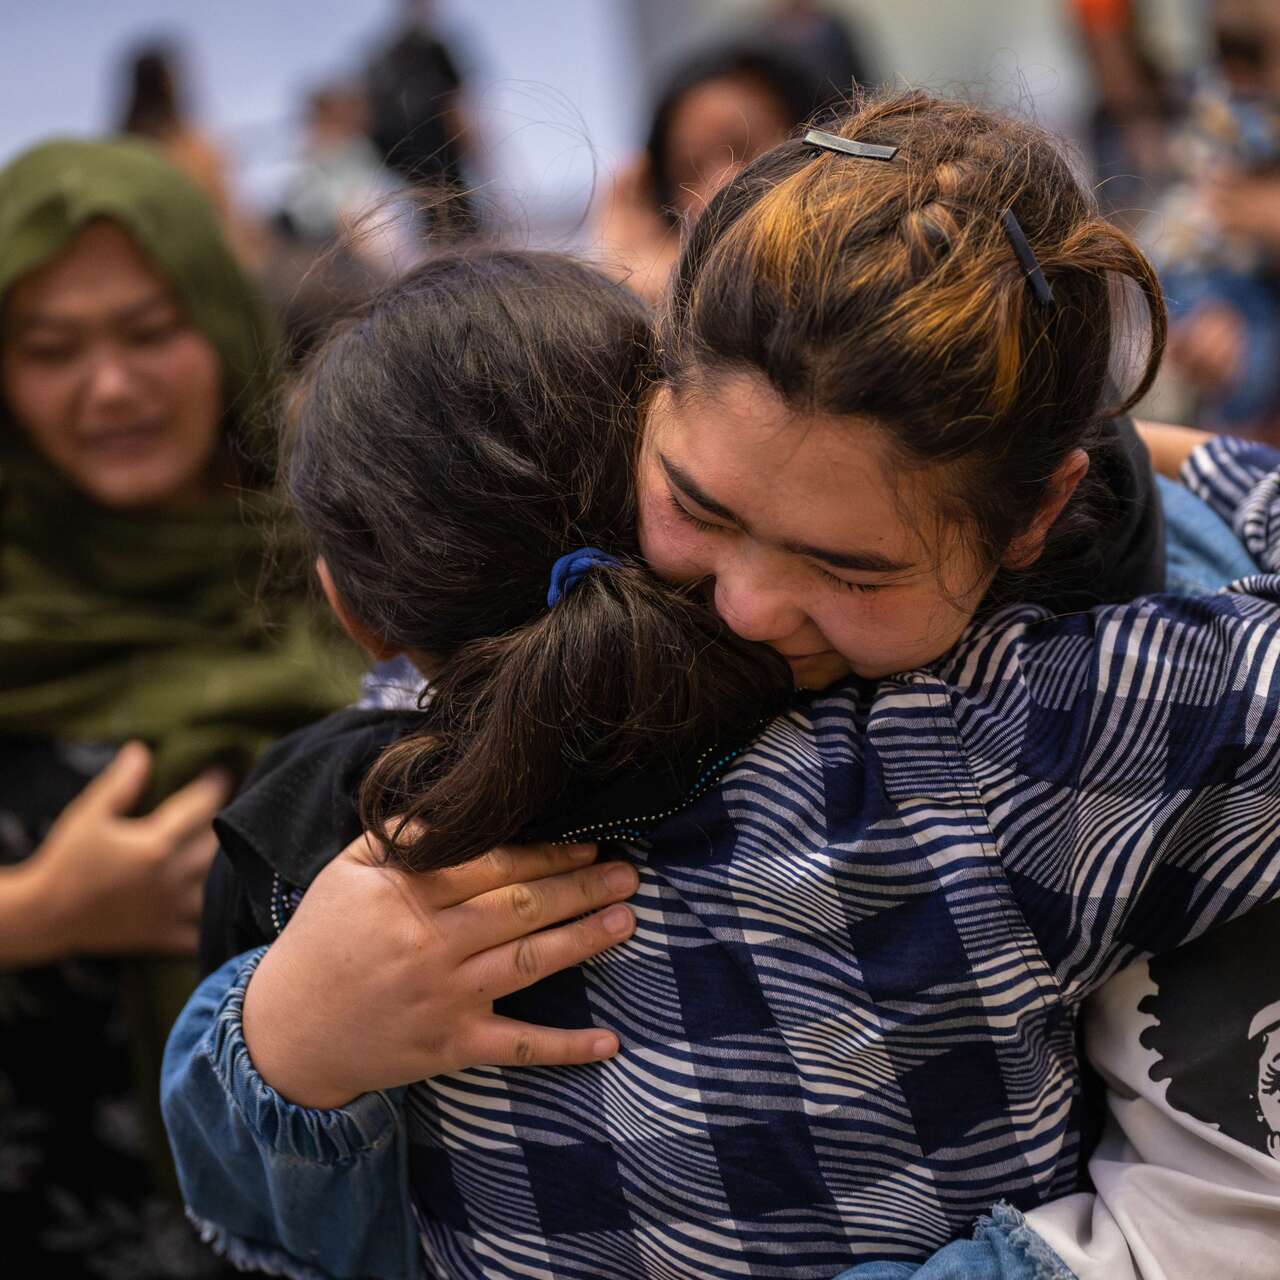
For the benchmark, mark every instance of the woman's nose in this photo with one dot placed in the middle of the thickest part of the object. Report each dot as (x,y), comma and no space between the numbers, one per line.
(756,604)
(109,379)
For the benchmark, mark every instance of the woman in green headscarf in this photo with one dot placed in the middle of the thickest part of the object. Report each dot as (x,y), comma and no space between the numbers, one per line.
(136,361)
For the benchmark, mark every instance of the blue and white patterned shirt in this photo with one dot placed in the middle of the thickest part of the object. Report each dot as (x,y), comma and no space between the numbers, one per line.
(848,1014)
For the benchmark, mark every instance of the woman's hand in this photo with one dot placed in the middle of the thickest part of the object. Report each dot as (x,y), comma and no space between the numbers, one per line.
(383,977)
(101,882)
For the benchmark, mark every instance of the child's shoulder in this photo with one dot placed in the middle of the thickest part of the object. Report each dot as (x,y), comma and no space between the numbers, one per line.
(297,811)
(299,807)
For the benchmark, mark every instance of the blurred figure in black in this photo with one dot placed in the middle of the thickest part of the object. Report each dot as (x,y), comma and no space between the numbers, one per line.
(415,99)
(822,42)
(155,107)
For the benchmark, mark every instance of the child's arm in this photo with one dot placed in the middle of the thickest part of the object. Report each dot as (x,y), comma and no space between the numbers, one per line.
(379,978)
(272,1186)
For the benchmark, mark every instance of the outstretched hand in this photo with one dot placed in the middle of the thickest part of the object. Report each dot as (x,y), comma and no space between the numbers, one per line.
(384,976)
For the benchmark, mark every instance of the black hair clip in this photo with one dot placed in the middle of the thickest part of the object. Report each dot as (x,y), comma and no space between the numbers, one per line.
(1026,258)
(863,150)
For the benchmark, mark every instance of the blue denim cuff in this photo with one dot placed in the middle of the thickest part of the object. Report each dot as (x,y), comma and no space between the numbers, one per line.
(273,1186)
(1005,1227)
(1003,1247)
(328,1138)
(248,1255)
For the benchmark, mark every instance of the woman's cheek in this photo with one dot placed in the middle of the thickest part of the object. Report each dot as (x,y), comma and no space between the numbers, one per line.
(40,397)
(922,630)
(673,549)
(859,640)
(879,632)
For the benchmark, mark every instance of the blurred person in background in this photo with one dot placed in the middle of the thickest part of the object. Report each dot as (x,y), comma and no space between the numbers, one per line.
(346,222)
(814,37)
(1216,237)
(339,174)
(719,110)
(1134,104)
(419,121)
(341,191)
(135,360)
(154,105)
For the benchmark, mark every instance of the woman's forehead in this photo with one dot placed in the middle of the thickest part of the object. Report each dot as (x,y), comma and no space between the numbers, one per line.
(792,476)
(100,267)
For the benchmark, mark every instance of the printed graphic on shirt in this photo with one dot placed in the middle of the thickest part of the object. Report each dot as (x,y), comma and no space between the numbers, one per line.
(1217,1030)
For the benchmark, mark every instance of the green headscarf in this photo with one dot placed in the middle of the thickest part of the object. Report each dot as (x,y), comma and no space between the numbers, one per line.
(137,624)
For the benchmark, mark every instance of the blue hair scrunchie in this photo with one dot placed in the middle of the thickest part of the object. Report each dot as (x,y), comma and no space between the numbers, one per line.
(570,569)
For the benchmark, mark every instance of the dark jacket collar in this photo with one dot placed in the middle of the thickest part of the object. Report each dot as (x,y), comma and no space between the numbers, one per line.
(298,809)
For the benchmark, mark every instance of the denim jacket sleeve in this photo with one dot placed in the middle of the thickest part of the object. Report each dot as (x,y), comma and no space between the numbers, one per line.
(1003,1247)
(272,1186)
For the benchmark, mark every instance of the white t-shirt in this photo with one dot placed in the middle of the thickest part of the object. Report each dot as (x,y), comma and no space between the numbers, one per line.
(1188,1170)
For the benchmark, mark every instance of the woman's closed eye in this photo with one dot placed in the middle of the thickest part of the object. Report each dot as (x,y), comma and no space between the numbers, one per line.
(689,518)
(865,588)
(48,352)
(706,526)
(155,332)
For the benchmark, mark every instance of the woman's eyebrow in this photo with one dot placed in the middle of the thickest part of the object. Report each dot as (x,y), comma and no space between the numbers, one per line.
(36,318)
(859,561)
(689,487)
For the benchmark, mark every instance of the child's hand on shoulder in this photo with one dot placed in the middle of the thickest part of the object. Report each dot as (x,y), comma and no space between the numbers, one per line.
(384,977)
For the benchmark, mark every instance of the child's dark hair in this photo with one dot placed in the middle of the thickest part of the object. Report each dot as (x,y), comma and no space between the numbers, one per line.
(890,290)
(477,422)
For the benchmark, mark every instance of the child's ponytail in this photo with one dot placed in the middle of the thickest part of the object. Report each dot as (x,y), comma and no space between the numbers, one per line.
(622,673)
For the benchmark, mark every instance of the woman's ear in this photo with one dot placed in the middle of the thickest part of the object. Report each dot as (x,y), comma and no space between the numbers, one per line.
(374,645)
(1025,549)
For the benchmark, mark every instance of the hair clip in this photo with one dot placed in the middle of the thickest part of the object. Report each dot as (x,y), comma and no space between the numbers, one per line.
(1026,258)
(863,150)
(572,567)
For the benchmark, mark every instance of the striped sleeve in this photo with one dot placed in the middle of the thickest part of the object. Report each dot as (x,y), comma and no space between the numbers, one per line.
(1129,763)
(1240,480)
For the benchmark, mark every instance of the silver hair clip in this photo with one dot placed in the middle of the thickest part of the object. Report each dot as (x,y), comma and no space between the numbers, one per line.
(1027,259)
(862,150)
(1012,228)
